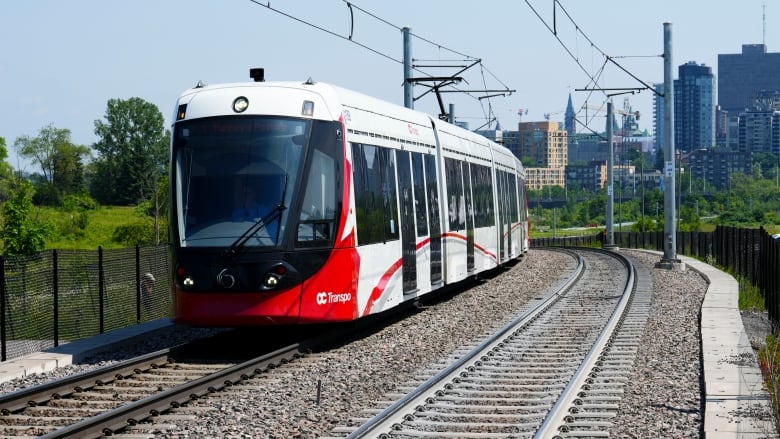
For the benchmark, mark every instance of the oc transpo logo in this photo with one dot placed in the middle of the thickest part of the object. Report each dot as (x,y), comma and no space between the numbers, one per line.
(324,298)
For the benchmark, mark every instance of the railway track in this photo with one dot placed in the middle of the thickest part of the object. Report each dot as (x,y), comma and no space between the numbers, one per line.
(171,383)
(107,400)
(556,371)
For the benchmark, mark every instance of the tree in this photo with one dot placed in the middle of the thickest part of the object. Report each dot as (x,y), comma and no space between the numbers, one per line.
(21,235)
(132,152)
(6,171)
(60,162)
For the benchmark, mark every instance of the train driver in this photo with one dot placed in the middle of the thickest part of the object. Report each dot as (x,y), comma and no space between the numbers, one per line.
(248,208)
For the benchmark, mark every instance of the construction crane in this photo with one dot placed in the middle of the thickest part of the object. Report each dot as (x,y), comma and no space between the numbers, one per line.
(625,111)
(522,112)
(548,116)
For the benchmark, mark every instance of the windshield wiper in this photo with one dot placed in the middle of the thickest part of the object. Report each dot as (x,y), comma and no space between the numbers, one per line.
(240,242)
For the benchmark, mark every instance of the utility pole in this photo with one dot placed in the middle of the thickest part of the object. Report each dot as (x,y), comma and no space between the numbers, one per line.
(408,93)
(669,259)
(610,219)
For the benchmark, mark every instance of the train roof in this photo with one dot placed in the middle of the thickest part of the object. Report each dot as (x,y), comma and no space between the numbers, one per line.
(330,106)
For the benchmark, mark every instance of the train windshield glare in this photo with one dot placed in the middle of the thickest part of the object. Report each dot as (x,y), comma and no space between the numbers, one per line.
(232,171)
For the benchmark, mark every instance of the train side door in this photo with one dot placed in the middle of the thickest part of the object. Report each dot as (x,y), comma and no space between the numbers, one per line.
(434,217)
(502,214)
(408,234)
(469,217)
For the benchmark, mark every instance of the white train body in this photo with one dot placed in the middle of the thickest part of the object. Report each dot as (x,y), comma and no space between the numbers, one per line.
(375,204)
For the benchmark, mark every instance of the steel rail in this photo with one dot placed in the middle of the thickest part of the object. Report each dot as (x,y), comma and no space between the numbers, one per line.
(115,420)
(554,421)
(30,397)
(384,420)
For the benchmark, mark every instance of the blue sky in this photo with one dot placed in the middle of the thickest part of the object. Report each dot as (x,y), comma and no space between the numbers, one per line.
(61,61)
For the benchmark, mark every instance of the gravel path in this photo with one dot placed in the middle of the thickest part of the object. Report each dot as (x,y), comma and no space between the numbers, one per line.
(662,400)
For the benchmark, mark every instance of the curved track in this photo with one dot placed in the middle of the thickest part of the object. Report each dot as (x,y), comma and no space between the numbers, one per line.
(523,380)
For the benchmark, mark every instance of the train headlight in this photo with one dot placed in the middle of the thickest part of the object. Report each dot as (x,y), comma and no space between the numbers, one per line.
(188,282)
(271,280)
(240,104)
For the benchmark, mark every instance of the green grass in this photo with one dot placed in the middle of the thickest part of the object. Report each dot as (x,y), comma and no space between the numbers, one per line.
(749,296)
(101,225)
(562,233)
(769,362)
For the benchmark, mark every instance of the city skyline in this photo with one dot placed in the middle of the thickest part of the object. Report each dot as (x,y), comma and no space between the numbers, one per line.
(63,62)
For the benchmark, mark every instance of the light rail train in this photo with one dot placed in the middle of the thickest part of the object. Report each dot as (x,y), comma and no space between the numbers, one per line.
(303,202)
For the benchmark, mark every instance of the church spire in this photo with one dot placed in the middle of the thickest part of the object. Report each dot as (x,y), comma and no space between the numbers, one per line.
(568,123)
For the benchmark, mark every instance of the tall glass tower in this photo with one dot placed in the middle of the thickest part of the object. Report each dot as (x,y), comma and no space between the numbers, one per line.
(694,107)
(743,75)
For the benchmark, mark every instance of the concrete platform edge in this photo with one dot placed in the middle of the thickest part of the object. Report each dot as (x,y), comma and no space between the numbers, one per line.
(736,403)
(78,351)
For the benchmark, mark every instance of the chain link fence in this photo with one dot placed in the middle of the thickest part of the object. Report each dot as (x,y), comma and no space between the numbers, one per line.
(58,296)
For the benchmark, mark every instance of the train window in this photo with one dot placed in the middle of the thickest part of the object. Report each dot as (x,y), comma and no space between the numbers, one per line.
(420,206)
(232,172)
(319,209)
(375,193)
(457,204)
(483,196)
(513,211)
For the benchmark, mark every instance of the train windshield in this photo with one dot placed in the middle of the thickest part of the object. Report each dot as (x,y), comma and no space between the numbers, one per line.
(235,178)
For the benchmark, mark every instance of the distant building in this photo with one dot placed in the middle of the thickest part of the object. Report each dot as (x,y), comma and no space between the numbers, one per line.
(593,176)
(742,76)
(759,131)
(539,178)
(543,143)
(715,166)
(721,127)
(590,177)
(511,139)
(694,107)
(586,148)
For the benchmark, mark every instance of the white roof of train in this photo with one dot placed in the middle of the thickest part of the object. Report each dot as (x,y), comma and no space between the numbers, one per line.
(280,98)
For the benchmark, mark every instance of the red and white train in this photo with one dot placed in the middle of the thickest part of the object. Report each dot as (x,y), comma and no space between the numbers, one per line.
(299,203)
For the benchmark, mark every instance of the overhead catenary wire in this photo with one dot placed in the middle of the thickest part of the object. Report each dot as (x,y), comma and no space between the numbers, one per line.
(593,77)
(320,28)
(350,37)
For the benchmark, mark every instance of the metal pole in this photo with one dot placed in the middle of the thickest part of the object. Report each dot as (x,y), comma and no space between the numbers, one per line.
(138,283)
(610,220)
(101,291)
(670,232)
(408,95)
(56,298)
(3,321)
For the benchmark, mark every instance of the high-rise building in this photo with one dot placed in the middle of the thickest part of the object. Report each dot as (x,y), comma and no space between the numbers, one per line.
(658,119)
(721,127)
(544,143)
(759,131)
(694,107)
(742,76)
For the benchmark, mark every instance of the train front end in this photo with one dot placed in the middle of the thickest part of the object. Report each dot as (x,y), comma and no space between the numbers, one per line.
(259,207)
